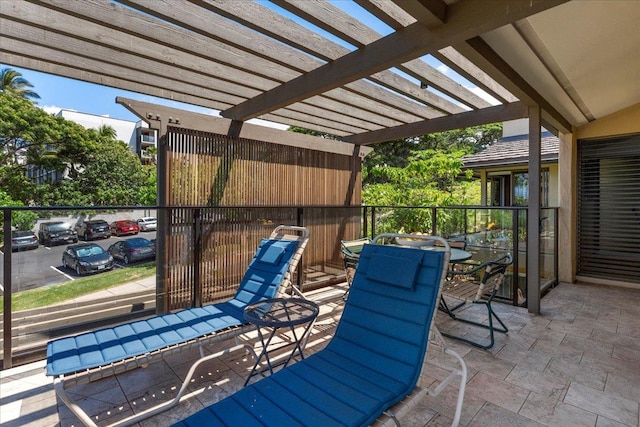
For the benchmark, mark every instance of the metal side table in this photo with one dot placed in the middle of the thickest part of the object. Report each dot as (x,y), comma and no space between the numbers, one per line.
(274,315)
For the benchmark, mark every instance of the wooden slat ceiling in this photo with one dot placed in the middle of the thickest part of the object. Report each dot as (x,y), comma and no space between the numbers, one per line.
(305,63)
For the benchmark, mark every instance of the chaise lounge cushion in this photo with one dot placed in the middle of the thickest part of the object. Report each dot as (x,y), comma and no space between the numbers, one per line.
(403,275)
(373,361)
(110,345)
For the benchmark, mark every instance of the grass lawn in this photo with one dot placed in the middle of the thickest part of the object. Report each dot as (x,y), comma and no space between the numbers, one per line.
(48,295)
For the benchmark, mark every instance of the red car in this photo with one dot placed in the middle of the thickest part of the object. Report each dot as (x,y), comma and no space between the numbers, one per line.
(124,226)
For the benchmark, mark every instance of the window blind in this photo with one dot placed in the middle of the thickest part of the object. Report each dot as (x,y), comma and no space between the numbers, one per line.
(609,208)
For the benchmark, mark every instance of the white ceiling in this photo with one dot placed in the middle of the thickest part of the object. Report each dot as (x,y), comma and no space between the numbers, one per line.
(595,46)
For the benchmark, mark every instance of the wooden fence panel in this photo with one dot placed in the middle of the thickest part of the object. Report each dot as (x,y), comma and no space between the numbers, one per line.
(241,190)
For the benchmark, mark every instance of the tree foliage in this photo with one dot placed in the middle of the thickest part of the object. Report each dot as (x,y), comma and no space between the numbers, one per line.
(112,176)
(11,81)
(423,171)
(397,153)
(323,135)
(21,220)
(29,136)
(99,169)
(431,178)
(147,195)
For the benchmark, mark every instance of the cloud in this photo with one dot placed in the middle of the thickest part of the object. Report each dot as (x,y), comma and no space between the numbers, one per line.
(266,123)
(443,69)
(484,95)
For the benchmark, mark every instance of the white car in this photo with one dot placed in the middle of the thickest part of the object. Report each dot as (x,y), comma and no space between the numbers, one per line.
(147,223)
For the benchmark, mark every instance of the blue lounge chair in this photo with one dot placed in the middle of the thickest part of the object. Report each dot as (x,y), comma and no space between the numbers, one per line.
(373,361)
(104,352)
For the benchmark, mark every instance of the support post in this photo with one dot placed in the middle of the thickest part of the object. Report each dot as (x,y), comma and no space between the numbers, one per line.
(7,291)
(162,302)
(567,200)
(533,212)
(197,257)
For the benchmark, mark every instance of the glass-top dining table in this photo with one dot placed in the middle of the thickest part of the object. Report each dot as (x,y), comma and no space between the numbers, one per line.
(457,254)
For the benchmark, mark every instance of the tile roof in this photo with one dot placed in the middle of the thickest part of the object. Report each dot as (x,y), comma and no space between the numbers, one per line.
(513,151)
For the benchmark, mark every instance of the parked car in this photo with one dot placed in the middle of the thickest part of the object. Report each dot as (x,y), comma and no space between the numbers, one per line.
(147,223)
(124,226)
(55,232)
(87,258)
(23,240)
(94,229)
(134,249)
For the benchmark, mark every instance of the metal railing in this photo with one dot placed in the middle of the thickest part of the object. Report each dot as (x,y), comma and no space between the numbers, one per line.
(488,232)
(206,250)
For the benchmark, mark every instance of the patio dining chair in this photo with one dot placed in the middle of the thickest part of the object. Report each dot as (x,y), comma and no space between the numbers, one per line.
(373,361)
(457,243)
(475,284)
(350,252)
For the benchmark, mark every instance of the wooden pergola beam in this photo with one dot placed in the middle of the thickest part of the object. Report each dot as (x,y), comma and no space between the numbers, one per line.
(550,117)
(337,22)
(219,25)
(499,113)
(231,62)
(290,33)
(159,115)
(466,19)
(396,17)
(480,53)
(128,33)
(431,13)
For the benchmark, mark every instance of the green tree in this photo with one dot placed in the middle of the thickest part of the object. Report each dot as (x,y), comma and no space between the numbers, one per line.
(472,139)
(425,171)
(298,129)
(11,81)
(32,138)
(148,192)
(396,153)
(98,169)
(19,122)
(22,220)
(113,174)
(430,178)
(108,133)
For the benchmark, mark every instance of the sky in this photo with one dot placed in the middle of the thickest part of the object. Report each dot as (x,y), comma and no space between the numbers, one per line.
(58,93)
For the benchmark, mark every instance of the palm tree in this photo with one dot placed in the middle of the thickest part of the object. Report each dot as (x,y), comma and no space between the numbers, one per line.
(11,81)
(107,132)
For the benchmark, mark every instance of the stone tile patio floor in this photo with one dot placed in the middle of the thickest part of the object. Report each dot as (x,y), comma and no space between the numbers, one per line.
(576,364)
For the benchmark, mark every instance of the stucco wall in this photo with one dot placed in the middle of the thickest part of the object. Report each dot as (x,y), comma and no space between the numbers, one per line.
(623,122)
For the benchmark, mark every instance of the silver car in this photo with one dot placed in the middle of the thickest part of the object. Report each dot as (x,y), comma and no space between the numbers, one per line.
(147,223)
(22,240)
